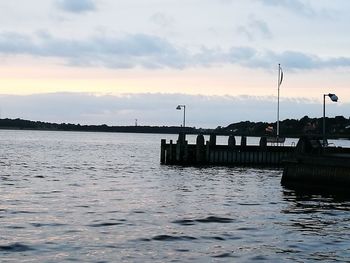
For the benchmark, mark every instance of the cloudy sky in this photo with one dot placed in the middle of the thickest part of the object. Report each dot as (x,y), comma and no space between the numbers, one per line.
(114,61)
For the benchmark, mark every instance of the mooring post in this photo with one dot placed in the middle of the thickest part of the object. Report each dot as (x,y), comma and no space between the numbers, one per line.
(231,145)
(185,152)
(231,141)
(207,151)
(212,140)
(263,142)
(180,145)
(243,154)
(169,153)
(243,141)
(178,151)
(200,149)
(212,144)
(162,151)
(261,155)
(181,138)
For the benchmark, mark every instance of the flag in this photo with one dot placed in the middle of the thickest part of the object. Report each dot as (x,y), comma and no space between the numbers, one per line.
(281,77)
(269,129)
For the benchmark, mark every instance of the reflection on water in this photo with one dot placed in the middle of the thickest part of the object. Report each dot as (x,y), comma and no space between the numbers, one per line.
(321,218)
(99,197)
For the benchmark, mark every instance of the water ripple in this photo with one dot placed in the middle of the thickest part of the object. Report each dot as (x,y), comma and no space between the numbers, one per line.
(106,224)
(47,224)
(173,238)
(223,255)
(209,219)
(214,238)
(16,247)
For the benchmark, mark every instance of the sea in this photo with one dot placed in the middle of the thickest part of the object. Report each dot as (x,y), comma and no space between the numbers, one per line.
(105,197)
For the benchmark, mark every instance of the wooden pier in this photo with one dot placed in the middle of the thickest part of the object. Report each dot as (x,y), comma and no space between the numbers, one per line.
(306,165)
(209,153)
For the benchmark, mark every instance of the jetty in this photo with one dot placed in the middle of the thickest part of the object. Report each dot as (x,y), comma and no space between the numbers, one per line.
(232,154)
(307,164)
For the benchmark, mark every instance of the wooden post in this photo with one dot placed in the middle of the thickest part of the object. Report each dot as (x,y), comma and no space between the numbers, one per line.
(231,141)
(207,151)
(263,142)
(182,137)
(162,151)
(200,149)
(243,141)
(185,152)
(178,151)
(170,156)
(212,140)
(180,144)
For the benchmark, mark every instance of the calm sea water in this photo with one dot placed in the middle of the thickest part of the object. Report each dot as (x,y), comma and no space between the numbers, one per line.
(104,197)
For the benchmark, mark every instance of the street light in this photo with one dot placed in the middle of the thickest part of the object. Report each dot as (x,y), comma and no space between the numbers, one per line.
(179,108)
(333,98)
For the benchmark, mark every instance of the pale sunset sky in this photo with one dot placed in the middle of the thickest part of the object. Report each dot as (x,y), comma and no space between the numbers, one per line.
(114,61)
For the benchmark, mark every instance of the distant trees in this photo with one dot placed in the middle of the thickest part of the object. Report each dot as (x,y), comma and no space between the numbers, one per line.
(38,125)
(335,127)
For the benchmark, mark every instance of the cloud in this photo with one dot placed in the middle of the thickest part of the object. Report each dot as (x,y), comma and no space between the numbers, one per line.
(296,6)
(76,6)
(255,29)
(293,60)
(302,7)
(157,109)
(113,52)
(152,52)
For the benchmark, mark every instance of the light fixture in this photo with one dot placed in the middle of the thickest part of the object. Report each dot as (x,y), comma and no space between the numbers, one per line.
(179,108)
(333,98)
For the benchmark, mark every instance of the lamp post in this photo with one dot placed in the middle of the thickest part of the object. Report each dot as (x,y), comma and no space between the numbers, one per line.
(179,108)
(333,98)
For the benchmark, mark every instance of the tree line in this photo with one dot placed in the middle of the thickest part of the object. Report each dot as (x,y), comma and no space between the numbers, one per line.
(338,126)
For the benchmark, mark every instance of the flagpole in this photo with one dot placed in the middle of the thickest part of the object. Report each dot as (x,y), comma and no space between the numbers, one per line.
(278,102)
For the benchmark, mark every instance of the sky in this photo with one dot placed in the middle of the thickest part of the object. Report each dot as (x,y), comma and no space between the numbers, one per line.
(115,61)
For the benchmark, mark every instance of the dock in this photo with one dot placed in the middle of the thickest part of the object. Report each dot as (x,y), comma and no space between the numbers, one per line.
(308,164)
(232,154)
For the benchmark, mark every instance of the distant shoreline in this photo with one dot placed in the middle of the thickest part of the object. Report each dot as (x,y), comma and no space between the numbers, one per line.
(20,124)
(338,127)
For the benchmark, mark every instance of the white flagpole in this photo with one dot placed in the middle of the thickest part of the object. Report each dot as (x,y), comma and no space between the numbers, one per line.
(278,102)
